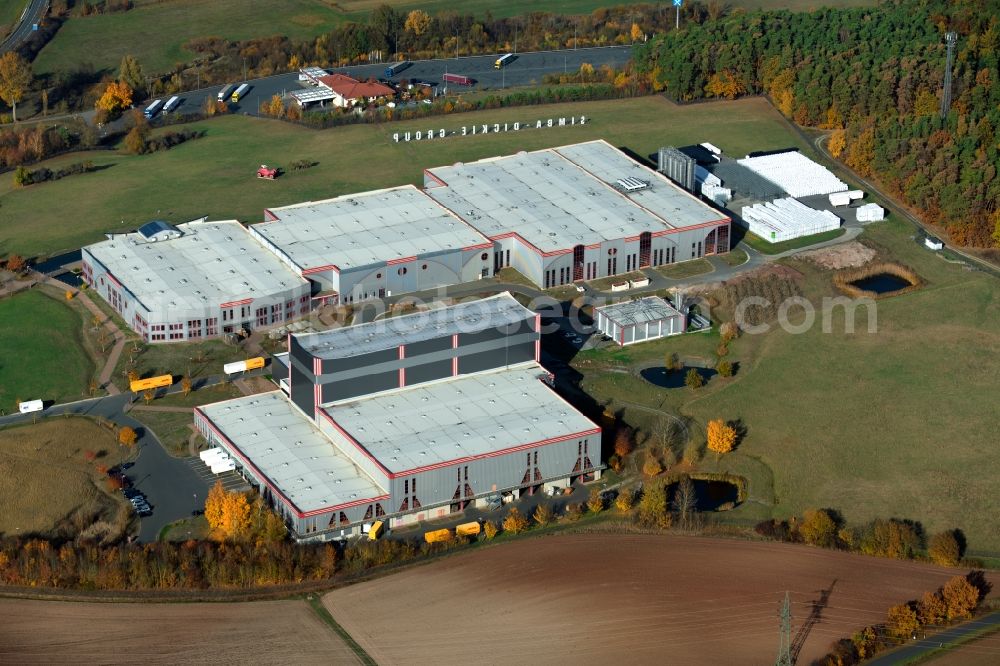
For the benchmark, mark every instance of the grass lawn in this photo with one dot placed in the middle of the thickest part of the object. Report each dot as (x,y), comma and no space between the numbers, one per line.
(155,31)
(214,175)
(197,359)
(765,247)
(735,257)
(889,424)
(43,354)
(10,11)
(45,481)
(171,428)
(186,529)
(686,269)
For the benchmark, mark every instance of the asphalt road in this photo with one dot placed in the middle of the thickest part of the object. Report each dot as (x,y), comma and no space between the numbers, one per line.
(20,34)
(917,648)
(527,69)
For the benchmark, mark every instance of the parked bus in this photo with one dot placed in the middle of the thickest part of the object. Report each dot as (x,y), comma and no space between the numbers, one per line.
(458,79)
(504,60)
(171,104)
(393,70)
(241,91)
(226,91)
(152,109)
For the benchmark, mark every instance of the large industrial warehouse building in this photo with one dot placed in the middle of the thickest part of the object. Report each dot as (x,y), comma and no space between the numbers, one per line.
(405,419)
(559,215)
(375,244)
(578,212)
(192,281)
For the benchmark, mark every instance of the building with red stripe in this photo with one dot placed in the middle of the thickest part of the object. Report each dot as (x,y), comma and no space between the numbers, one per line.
(375,244)
(405,419)
(194,281)
(578,212)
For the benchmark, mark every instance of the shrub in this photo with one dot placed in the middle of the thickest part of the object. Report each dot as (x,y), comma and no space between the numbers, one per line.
(515,522)
(693,379)
(729,331)
(653,505)
(574,511)
(543,515)
(490,529)
(595,502)
(944,549)
(624,500)
(818,528)
(652,466)
(722,350)
(725,368)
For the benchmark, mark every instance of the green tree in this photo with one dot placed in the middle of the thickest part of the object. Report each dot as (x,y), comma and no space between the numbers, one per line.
(693,379)
(653,505)
(130,73)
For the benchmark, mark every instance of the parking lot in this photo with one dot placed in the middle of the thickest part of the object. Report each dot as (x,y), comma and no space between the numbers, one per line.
(526,70)
(231,481)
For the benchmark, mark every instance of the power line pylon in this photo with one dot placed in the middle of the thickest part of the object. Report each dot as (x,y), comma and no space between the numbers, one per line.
(784,657)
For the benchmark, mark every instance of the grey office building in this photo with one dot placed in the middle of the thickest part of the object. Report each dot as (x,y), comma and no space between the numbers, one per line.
(405,419)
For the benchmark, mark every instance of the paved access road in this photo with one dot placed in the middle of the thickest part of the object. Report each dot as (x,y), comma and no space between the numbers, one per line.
(20,34)
(917,648)
(527,69)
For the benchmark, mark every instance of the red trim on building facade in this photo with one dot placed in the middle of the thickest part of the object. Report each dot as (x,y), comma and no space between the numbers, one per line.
(320,269)
(401,260)
(232,304)
(480,246)
(454,359)
(428,172)
(274,489)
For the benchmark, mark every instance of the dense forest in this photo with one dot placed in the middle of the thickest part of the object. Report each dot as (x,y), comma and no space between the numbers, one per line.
(873,76)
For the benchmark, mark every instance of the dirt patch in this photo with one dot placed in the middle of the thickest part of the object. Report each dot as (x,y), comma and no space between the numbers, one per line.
(264,632)
(593,598)
(837,257)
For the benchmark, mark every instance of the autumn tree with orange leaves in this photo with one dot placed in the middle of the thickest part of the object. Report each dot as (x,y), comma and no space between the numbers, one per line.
(721,437)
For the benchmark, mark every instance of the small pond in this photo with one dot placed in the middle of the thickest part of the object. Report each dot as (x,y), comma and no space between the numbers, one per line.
(674,379)
(882,283)
(711,494)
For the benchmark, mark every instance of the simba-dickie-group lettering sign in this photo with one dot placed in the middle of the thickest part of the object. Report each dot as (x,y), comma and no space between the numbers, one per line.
(489,128)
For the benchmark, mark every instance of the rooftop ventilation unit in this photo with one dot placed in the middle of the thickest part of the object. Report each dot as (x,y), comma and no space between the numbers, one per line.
(630,184)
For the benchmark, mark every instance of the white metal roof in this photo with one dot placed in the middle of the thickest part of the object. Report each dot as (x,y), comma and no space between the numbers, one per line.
(631,313)
(471,316)
(313,95)
(288,449)
(209,264)
(561,197)
(463,417)
(795,173)
(366,228)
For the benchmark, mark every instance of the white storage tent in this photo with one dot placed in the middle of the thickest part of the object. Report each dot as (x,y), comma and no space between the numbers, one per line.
(784,219)
(795,173)
(870,213)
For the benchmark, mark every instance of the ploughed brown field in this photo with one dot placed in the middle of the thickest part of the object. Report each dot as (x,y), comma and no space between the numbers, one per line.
(601,599)
(263,632)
